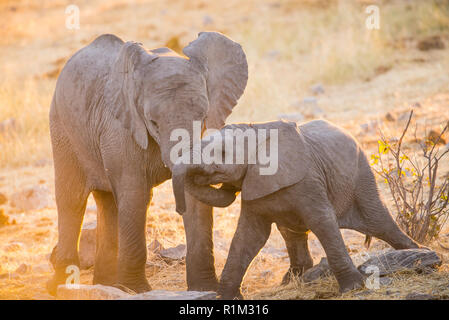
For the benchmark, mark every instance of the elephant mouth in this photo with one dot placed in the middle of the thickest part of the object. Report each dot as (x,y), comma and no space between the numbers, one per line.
(185,179)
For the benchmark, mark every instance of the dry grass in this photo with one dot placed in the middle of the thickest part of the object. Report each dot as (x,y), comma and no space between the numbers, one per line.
(290,46)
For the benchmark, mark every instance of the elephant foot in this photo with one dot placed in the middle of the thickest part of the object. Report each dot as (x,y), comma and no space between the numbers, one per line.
(292,274)
(106,280)
(351,281)
(211,285)
(53,283)
(133,288)
(230,295)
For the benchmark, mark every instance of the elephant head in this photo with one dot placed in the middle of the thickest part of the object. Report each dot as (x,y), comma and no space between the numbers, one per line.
(155,92)
(244,170)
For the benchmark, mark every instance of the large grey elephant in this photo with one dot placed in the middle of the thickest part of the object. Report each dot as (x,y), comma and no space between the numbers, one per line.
(113,111)
(323,182)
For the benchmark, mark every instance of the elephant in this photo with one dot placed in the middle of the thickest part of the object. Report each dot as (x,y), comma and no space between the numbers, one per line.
(114,108)
(323,182)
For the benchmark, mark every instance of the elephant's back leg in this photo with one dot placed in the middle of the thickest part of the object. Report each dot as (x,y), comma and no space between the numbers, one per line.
(298,252)
(375,215)
(71,197)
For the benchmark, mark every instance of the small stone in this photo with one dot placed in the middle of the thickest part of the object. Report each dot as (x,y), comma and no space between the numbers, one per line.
(34,198)
(272,55)
(155,247)
(317,89)
(310,101)
(419,296)
(87,245)
(3,199)
(321,270)
(275,252)
(266,274)
(385,281)
(42,268)
(89,292)
(23,268)
(14,246)
(8,126)
(431,43)
(42,163)
(400,260)
(177,253)
(173,295)
(207,20)
(4,219)
(433,137)
(389,117)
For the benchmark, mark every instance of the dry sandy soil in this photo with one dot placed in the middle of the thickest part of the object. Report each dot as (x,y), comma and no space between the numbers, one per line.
(290,46)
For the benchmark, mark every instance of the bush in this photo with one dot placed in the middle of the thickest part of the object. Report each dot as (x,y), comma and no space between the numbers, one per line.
(420,195)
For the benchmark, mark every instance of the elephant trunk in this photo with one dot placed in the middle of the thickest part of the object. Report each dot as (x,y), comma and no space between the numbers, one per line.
(182,178)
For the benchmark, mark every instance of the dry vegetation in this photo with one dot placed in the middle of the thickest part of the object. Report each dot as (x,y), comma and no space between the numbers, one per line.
(290,46)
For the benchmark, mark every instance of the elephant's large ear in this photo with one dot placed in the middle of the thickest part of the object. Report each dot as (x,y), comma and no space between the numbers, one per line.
(123,87)
(292,161)
(226,71)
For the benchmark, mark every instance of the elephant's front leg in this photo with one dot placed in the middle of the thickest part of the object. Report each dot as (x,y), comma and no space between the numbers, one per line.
(251,235)
(298,252)
(198,223)
(132,252)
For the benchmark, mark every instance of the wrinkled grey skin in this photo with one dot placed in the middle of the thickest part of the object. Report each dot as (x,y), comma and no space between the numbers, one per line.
(323,183)
(113,110)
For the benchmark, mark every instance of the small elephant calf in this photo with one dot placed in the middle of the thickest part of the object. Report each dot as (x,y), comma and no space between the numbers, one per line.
(323,182)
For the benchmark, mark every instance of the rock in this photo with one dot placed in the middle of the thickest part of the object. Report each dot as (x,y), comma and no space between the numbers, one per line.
(42,268)
(389,117)
(23,268)
(310,101)
(431,43)
(174,254)
(87,245)
(419,296)
(399,260)
(266,274)
(385,281)
(173,295)
(275,253)
(42,163)
(3,199)
(321,270)
(34,198)
(272,55)
(8,126)
(4,219)
(207,20)
(155,247)
(14,246)
(317,89)
(295,117)
(89,292)
(369,127)
(434,138)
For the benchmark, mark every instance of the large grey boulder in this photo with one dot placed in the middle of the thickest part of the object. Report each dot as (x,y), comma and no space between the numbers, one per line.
(88,292)
(100,292)
(174,295)
(321,270)
(420,260)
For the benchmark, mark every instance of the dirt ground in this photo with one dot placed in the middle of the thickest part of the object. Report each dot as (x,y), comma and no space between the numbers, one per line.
(290,47)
